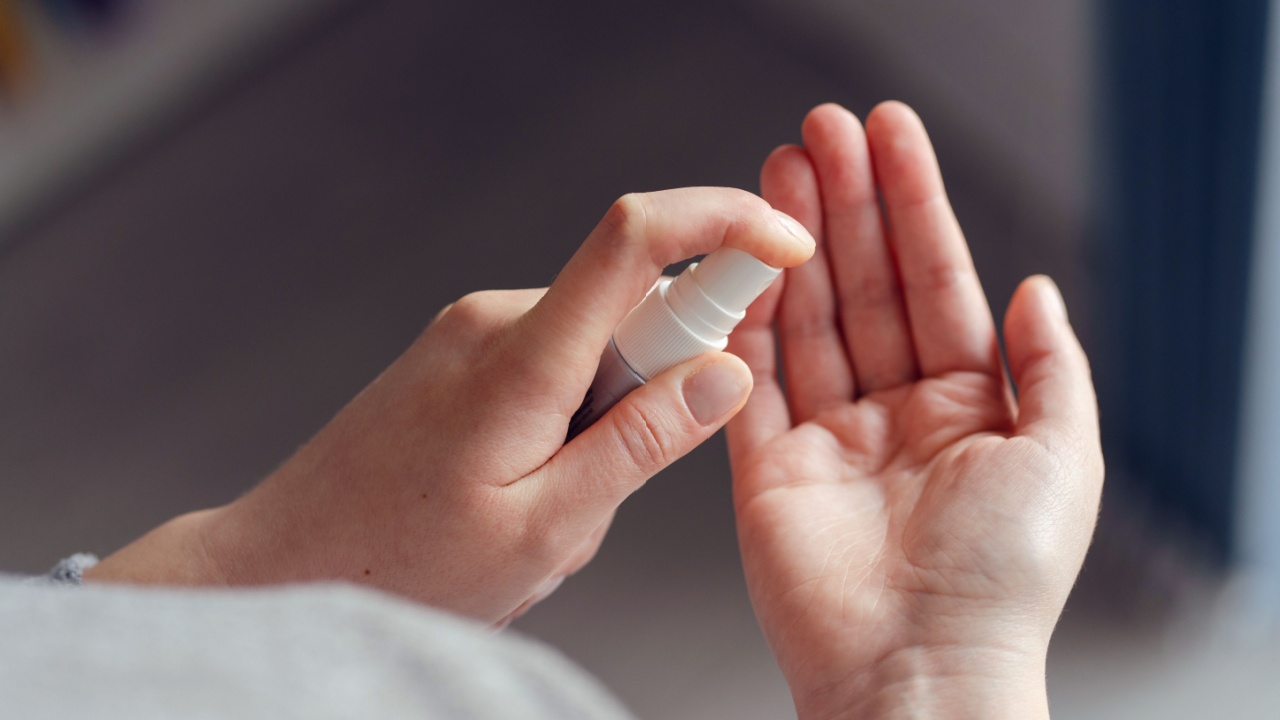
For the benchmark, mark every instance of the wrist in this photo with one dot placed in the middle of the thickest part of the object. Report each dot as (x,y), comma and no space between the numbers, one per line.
(953,683)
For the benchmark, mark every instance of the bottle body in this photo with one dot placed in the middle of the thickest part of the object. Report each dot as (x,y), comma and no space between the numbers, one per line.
(614,379)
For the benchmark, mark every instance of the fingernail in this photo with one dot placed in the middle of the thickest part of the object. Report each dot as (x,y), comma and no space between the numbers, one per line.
(713,390)
(1054,297)
(793,227)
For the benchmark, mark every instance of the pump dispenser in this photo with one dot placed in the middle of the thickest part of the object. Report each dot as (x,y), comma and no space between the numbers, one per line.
(679,319)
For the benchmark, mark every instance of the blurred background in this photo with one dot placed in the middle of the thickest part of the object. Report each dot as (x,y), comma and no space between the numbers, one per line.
(218,221)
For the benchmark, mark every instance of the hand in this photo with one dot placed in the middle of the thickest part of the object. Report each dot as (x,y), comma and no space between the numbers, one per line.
(448,479)
(909,530)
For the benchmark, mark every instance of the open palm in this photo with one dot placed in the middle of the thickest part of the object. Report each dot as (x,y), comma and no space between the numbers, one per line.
(904,520)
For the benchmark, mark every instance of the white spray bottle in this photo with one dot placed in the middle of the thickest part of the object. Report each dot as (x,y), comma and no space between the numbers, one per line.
(679,319)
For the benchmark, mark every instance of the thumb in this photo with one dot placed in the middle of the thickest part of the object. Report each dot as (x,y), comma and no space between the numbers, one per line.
(1056,402)
(647,430)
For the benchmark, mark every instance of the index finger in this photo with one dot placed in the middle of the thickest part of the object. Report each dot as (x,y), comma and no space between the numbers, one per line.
(622,258)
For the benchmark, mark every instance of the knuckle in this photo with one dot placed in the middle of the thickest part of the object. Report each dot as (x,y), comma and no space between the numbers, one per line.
(940,278)
(470,311)
(470,325)
(644,438)
(818,324)
(750,209)
(626,219)
(754,205)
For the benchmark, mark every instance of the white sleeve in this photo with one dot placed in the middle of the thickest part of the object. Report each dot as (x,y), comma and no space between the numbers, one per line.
(313,651)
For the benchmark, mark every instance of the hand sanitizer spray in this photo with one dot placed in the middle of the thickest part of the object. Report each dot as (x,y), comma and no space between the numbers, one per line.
(679,319)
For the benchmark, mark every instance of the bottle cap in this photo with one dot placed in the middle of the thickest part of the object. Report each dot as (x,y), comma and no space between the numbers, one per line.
(683,318)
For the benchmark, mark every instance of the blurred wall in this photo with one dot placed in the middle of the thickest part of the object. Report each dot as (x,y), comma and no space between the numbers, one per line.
(88,89)
(1014,78)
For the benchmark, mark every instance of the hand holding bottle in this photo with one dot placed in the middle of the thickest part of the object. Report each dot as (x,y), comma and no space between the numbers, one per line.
(448,479)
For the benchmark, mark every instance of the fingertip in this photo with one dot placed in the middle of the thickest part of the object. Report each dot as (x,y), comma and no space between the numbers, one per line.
(738,365)
(781,154)
(789,184)
(906,165)
(896,131)
(826,107)
(799,233)
(1024,306)
(891,114)
(1036,325)
(1050,295)
(825,114)
(774,238)
(785,177)
(827,120)
(1036,300)
(836,141)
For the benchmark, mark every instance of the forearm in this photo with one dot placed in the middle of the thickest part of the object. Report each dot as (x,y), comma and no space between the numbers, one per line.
(178,552)
(263,538)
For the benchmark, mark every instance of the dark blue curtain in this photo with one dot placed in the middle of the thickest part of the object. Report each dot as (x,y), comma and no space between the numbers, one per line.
(1179,119)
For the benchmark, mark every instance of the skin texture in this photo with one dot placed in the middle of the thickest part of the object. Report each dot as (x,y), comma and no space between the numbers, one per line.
(909,531)
(447,480)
